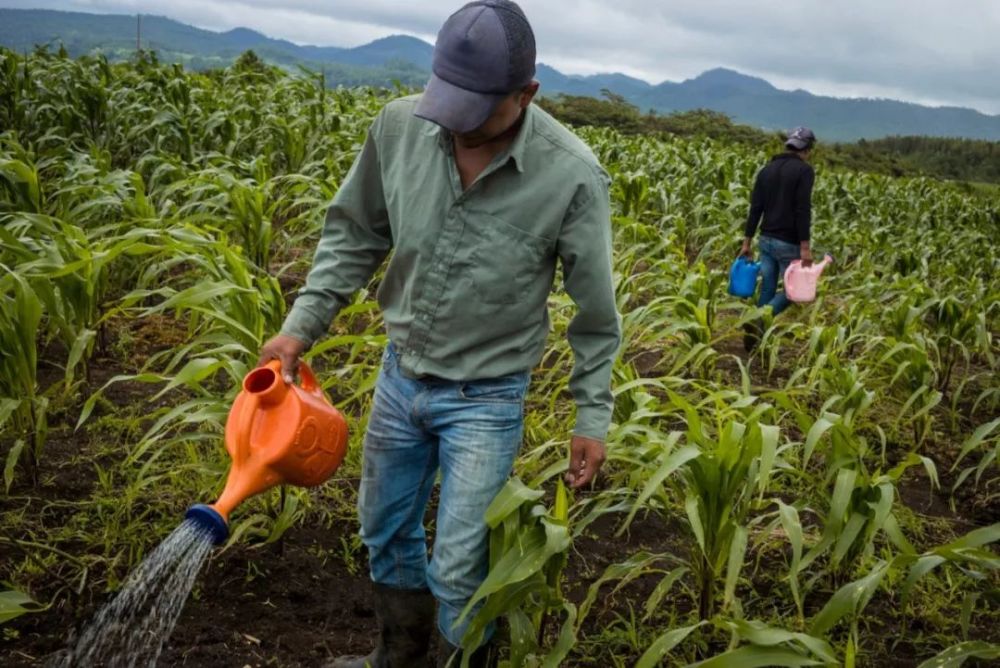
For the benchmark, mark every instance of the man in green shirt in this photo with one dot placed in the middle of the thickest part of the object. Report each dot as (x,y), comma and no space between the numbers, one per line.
(478,195)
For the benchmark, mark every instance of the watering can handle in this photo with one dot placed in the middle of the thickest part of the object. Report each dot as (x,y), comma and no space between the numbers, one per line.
(306,375)
(309,383)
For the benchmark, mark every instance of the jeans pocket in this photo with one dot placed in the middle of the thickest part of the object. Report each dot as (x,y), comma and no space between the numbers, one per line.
(504,390)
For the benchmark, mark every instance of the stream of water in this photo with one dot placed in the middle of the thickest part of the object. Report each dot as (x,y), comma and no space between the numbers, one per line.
(131,629)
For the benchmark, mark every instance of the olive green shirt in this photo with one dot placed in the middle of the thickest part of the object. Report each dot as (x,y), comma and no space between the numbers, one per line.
(464,295)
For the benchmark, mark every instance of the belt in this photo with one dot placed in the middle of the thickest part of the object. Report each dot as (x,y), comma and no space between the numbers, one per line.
(427,378)
(433,380)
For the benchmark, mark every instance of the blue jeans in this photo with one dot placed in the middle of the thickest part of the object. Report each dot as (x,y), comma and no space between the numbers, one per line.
(775,256)
(471,431)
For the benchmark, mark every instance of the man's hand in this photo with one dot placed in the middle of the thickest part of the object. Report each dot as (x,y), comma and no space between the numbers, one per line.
(746,250)
(287,350)
(805,254)
(585,458)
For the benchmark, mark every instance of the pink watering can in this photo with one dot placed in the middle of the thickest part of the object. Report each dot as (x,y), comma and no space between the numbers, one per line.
(800,282)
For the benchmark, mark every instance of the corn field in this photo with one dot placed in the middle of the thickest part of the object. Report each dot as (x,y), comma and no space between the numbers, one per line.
(831,499)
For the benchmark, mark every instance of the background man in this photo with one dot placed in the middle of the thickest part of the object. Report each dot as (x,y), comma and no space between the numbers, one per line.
(782,195)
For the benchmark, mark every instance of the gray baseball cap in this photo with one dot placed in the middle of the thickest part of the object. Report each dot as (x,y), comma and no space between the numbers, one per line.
(484,52)
(800,139)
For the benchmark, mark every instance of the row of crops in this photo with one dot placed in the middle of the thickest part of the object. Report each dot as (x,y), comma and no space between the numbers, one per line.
(154,224)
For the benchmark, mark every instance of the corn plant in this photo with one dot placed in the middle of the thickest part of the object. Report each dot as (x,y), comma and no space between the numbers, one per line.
(528,550)
(987,439)
(961,331)
(861,508)
(22,408)
(758,645)
(719,479)
(850,600)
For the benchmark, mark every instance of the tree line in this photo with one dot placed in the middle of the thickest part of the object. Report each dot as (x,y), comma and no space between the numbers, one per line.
(973,161)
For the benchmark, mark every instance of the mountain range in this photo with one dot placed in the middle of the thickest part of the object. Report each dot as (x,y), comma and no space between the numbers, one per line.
(407,61)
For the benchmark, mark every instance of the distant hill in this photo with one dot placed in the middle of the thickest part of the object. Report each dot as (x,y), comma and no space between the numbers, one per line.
(756,102)
(380,63)
(407,60)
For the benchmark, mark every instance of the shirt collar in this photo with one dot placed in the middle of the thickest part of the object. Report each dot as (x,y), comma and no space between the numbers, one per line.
(514,152)
(519,146)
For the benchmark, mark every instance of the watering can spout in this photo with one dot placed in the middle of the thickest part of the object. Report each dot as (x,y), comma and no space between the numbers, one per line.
(276,433)
(210,521)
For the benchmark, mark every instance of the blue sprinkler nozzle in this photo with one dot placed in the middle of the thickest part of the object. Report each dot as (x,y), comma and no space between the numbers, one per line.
(210,520)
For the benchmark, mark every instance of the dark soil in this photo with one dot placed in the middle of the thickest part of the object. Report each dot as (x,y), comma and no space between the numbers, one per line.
(251,607)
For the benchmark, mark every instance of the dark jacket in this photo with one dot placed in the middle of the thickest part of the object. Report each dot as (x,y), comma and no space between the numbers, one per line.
(782,193)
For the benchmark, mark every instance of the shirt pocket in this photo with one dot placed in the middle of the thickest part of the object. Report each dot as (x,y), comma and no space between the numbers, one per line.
(506,260)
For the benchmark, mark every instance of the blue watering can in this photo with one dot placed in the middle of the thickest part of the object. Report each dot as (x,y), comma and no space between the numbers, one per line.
(743,277)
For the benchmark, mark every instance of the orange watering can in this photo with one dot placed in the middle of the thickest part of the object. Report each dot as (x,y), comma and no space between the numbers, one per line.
(276,434)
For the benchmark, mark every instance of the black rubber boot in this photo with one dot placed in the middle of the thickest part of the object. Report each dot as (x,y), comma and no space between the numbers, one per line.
(450,656)
(405,625)
(752,334)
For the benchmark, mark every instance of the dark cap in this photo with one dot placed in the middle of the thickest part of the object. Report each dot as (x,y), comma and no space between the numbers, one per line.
(484,52)
(800,139)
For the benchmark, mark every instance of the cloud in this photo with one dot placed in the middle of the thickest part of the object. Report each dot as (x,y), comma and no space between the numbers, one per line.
(919,50)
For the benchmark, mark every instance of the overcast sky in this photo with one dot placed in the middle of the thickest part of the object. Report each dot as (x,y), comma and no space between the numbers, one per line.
(928,51)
